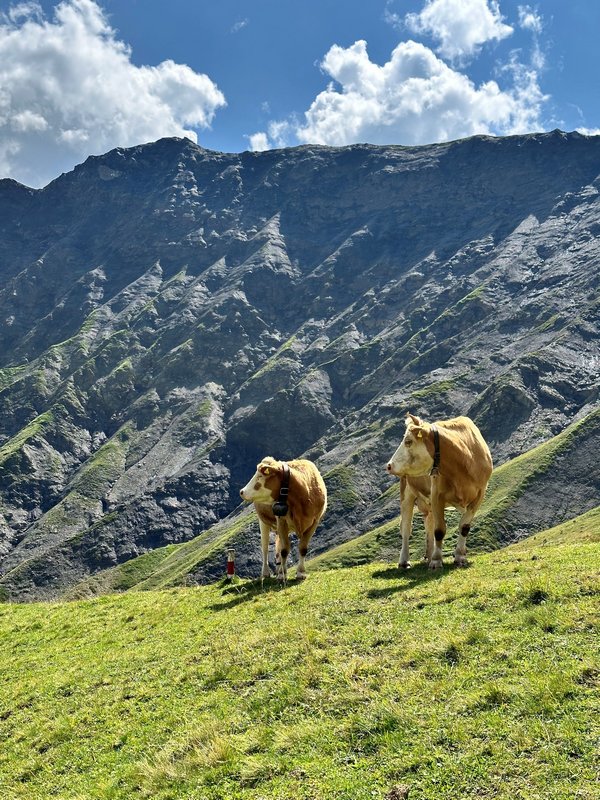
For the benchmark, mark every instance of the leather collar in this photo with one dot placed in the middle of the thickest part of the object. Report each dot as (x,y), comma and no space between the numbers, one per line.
(280,506)
(435,470)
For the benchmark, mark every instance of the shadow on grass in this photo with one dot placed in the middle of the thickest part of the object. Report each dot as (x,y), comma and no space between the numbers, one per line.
(242,591)
(404,579)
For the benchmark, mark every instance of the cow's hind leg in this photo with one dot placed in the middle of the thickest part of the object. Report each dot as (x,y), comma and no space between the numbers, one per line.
(283,535)
(439,527)
(303,549)
(464,526)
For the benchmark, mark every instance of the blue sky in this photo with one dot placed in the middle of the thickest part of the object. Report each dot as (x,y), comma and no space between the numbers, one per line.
(80,77)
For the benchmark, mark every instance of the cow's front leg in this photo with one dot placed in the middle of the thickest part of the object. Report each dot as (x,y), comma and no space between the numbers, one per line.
(265,531)
(283,535)
(439,525)
(407,508)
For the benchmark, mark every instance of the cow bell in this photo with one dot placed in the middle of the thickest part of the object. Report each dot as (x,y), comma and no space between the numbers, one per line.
(280,509)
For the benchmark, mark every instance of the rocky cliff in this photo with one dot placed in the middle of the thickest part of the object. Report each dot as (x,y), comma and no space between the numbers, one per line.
(169,315)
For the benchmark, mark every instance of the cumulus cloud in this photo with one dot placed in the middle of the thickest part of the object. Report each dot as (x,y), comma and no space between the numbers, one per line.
(414,98)
(69,89)
(419,96)
(461,26)
(259,142)
(278,134)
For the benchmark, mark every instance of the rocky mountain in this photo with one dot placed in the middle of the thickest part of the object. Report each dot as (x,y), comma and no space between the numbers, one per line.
(169,315)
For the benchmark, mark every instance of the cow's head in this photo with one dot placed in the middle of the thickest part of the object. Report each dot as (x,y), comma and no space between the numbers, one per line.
(264,486)
(413,456)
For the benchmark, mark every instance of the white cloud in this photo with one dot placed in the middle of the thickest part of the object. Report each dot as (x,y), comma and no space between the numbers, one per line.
(279,132)
(589,131)
(259,142)
(278,135)
(239,25)
(414,98)
(28,121)
(461,26)
(69,89)
(21,11)
(529,19)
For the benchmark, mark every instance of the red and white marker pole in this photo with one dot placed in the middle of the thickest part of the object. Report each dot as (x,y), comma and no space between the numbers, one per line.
(230,563)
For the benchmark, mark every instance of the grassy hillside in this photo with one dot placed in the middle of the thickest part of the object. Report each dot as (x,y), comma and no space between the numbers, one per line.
(358,683)
(510,486)
(585,528)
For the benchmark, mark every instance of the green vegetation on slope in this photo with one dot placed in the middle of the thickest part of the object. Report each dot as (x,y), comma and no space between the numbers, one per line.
(508,483)
(584,528)
(511,480)
(30,431)
(356,684)
(171,565)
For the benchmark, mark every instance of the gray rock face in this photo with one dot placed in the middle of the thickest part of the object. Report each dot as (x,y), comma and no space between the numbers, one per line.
(170,315)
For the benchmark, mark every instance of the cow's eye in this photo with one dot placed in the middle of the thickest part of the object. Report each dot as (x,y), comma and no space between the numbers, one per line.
(408,442)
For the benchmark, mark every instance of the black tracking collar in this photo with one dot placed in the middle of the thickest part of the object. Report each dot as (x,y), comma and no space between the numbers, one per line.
(280,506)
(435,470)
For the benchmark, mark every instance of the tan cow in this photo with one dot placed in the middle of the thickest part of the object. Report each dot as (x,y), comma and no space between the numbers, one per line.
(440,465)
(288,496)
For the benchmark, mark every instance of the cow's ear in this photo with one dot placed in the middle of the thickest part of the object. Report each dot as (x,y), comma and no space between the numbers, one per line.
(264,470)
(411,419)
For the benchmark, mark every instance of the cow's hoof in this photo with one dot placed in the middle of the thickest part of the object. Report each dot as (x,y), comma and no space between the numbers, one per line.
(404,565)
(436,563)
(266,573)
(301,576)
(461,561)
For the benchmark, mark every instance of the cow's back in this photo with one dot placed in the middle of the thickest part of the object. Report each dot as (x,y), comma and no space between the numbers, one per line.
(308,486)
(476,458)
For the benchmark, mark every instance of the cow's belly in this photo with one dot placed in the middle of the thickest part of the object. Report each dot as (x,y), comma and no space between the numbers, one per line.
(421,486)
(265,513)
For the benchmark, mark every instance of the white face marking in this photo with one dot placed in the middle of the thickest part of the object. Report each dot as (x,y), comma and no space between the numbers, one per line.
(255,490)
(411,458)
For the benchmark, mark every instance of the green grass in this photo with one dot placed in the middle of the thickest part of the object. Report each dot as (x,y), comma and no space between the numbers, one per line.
(511,480)
(170,566)
(187,557)
(10,375)
(383,542)
(441,387)
(102,470)
(584,528)
(35,428)
(124,577)
(341,489)
(355,684)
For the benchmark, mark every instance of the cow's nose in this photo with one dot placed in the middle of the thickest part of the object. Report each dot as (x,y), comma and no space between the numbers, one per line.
(242,493)
(389,466)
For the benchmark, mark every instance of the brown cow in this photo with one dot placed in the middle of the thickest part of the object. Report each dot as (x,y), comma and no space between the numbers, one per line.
(440,465)
(298,509)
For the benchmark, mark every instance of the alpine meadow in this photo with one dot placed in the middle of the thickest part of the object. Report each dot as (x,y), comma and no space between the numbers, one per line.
(172,316)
